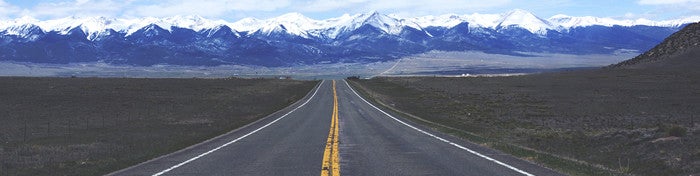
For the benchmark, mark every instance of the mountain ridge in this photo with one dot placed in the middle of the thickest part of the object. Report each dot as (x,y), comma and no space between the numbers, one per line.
(559,22)
(293,39)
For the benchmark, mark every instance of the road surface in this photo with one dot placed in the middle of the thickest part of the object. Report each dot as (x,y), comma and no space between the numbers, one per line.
(334,131)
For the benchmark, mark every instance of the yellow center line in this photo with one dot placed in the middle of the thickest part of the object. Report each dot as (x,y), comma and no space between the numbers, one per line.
(331,157)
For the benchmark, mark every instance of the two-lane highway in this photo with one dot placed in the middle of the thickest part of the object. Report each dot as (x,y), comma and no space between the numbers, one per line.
(334,131)
(374,142)
(289,142)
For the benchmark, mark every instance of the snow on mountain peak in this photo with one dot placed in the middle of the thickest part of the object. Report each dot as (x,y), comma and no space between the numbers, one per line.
(91,26)
(20,26)
(525,20)
(221,29)
(515,18)
(27,31)
(448,20)
(300,25)
(483,20)
(247,24)
(385,23)
(568,22)
(292,23)
(195,22)
(678,22)
(94,27)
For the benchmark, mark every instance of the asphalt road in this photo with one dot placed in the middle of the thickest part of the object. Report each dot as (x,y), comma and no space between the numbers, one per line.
(370,142)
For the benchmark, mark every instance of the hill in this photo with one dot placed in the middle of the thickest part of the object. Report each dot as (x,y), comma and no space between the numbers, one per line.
(680,50)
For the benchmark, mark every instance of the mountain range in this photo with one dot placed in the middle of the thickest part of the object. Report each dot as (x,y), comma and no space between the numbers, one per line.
(294,39)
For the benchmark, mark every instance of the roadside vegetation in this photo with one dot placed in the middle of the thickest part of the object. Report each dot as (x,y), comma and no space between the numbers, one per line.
(592,122)
(93,126)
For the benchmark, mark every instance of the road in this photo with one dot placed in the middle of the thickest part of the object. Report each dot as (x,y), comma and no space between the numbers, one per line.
(334,131)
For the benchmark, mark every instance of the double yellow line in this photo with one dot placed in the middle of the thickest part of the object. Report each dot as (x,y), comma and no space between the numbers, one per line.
(331,159)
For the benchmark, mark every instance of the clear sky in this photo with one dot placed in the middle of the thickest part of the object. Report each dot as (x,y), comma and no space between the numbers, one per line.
(232,10)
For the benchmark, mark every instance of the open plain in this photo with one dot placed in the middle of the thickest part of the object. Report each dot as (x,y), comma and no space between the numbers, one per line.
(93,126)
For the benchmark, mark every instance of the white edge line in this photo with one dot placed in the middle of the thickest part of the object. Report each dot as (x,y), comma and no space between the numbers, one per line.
(239,138)
(441,139)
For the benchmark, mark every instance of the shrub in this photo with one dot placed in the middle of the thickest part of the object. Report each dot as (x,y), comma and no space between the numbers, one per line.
(677,131)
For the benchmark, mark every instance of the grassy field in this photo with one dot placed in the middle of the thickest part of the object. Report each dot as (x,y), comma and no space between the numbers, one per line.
(581,122)
(92,126)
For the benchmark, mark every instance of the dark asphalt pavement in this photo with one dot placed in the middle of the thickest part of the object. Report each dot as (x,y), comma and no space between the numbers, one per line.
(292,142)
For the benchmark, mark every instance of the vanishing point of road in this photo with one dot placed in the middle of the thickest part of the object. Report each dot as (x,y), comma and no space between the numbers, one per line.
(334,131)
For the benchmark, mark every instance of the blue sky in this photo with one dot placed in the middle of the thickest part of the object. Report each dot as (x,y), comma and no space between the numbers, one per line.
(232,10)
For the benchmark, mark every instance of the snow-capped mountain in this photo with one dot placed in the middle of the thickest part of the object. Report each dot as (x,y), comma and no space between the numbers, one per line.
(536,25)
(525,20)
(291,23)
(568,22)
(300,25)
(296,39)
(382,22)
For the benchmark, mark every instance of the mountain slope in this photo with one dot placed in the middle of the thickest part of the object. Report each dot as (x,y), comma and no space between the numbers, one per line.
(681,49)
